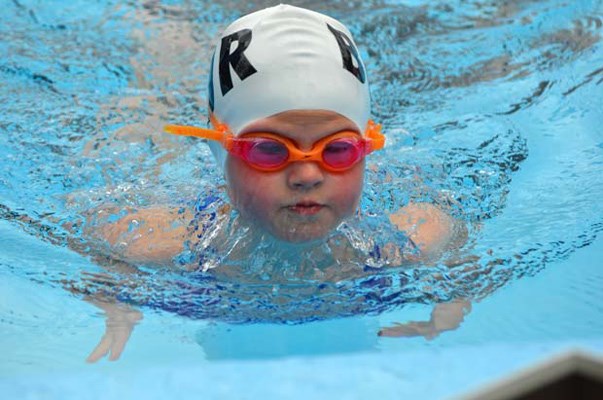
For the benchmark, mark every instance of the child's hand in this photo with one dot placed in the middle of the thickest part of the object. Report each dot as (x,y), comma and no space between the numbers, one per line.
(120,323)
(410,329)
(444,317)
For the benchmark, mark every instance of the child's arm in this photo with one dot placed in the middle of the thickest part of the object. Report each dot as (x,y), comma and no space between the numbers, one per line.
(434,232)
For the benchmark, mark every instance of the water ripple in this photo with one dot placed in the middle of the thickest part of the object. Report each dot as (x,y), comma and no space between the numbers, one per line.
(463,89)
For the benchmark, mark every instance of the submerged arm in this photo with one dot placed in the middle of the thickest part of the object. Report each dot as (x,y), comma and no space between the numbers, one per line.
(434,232)
(147,236)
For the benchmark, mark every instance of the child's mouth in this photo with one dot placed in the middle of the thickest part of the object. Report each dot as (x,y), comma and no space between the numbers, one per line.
(306,208)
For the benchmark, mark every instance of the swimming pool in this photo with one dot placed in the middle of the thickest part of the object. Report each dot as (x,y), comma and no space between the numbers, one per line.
(502,106)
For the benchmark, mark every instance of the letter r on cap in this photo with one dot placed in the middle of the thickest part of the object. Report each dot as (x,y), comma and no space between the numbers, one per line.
(236,59)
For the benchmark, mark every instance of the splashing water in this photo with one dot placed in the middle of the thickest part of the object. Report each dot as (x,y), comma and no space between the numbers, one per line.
(492,111)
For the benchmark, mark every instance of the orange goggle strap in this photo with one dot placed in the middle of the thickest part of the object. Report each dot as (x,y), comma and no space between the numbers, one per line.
(373,133)
(222,134)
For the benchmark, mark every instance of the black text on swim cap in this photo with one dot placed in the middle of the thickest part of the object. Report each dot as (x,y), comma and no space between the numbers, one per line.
(348,50)
(236,59)
(243,68)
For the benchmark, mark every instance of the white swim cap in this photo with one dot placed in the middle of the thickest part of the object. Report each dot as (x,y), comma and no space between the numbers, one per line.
(285,58)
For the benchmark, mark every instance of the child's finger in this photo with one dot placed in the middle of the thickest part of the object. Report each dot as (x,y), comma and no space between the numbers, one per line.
(101,349)
(120,338)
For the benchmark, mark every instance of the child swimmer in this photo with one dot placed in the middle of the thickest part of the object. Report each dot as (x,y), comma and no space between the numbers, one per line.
(289,103)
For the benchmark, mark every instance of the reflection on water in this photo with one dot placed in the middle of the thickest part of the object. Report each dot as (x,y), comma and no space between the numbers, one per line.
(490,110)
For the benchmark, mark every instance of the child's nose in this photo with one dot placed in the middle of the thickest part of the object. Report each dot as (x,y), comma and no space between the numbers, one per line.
(305,175)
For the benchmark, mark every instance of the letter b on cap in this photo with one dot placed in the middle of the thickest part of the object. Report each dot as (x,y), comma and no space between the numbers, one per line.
(348,50)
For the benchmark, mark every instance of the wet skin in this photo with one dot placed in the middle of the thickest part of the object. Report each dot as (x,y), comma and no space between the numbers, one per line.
(302,202)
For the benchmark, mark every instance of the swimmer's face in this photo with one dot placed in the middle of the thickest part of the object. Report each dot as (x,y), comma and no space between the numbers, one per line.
(301,202)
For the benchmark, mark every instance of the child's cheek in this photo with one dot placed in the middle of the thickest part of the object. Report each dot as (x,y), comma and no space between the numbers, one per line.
(253,193)
(348,190)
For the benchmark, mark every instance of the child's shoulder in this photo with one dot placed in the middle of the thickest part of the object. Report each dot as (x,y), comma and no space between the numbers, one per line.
(156,234)
(430,228)
(146,235)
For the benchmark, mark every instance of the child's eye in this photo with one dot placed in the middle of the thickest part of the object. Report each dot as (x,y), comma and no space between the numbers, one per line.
(340,153)
(270,147)
(339,146)
(267,152)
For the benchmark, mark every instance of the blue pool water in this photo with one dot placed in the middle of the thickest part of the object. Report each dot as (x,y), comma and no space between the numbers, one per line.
(492,110)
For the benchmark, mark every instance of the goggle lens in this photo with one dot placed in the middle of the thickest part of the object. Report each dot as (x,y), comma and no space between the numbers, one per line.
(266,153)
(341,153)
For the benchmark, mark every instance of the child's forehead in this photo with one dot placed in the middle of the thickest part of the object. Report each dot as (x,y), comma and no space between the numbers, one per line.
(312,122)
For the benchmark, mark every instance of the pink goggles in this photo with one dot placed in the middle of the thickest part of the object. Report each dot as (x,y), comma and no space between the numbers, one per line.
(270,152)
